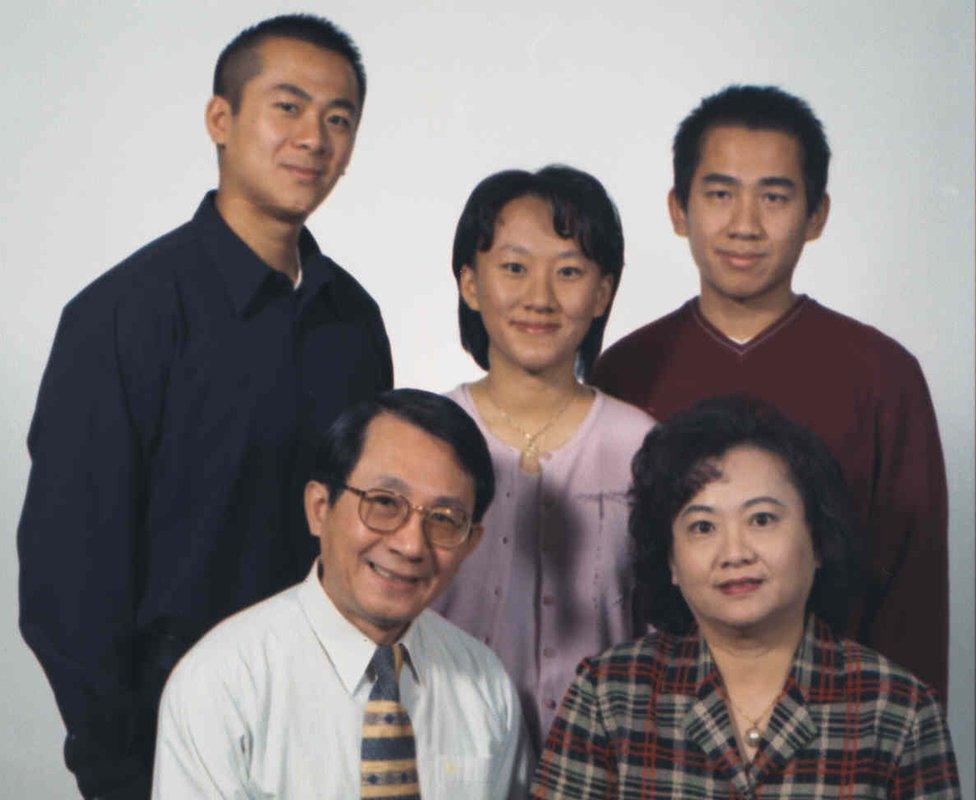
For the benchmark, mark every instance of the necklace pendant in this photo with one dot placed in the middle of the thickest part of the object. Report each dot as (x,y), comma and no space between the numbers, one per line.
(753,736)
(529,461)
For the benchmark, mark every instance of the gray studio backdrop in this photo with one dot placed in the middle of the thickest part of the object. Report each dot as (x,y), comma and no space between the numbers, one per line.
(105,149)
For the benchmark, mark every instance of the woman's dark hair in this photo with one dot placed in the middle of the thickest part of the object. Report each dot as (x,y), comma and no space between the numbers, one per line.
(677,459)
(763,108)
(581,210)
(340,448)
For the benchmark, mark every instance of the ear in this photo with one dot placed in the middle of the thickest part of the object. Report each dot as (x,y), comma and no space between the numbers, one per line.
(679,215)
(674,580)
(218,118)
(605,291)
(817,220)
(468,287)
(317,507)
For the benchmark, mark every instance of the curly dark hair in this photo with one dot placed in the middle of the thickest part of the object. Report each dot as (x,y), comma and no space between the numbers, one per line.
(581,210)
(678,458)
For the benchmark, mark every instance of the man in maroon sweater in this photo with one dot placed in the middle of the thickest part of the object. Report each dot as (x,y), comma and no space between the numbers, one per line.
(750,176)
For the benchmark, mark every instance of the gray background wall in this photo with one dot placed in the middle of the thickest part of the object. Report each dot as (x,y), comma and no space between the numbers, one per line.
(104,149)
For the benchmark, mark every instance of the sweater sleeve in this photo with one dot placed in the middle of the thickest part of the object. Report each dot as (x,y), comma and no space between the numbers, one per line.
(906,607)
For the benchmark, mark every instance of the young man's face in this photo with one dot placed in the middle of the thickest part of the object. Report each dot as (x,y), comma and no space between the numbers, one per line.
(291,138)
(746,219)
(381,581)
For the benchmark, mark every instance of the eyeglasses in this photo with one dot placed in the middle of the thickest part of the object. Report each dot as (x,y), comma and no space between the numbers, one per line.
(384,512)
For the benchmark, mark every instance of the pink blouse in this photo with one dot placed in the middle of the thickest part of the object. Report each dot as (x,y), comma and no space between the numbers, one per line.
(551,581)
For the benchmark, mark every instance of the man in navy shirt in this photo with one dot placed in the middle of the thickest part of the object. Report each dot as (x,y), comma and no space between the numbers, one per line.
(176,415)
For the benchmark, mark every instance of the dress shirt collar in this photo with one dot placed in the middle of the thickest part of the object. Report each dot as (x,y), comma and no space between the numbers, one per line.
(348,648)
(243,271)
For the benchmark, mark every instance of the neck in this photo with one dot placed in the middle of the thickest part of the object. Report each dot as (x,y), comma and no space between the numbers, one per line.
(526,394)
(744,319)
(754,663)
(275,241)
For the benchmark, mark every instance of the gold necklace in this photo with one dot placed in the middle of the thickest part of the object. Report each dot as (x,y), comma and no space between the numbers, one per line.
(529,459)
(753,734)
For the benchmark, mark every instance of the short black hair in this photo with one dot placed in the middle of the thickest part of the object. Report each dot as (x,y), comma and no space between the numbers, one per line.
(581,210)
(764,108)
(340,448)
(239,61)
(678,458)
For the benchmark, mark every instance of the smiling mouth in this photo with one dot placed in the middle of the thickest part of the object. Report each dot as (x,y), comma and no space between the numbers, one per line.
(740,586)
(394,577)
(740,259)
(536,327)
(307,174)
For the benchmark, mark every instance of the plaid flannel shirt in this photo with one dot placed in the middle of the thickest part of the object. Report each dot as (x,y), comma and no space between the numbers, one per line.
(649,719)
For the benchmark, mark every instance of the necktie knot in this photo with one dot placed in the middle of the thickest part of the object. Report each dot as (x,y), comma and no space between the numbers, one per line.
(385,665)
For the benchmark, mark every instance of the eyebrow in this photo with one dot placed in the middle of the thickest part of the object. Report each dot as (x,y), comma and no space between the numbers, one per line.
(299,92)
(727,180)
(395,484)
(696,508)
(763,499)
(517,248)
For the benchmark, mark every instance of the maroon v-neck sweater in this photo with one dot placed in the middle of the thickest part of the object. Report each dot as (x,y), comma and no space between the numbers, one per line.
(866,396)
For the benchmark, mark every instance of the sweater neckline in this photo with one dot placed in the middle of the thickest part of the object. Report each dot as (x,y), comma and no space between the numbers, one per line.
(788,317)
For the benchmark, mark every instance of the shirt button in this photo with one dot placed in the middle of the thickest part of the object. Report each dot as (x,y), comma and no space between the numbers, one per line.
(487,640)
(548,652)
(504,540)
(548,600)
(551,705)
(498,591)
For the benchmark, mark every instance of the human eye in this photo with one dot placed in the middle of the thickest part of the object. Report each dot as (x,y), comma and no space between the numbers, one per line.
(569,271)
(718,194)
(513,267)
(701,526)
(383,502)
(763,519)
(339,121)
(287,106)
(776,198)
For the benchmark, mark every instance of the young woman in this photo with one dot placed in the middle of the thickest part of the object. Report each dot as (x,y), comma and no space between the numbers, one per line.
(746,546)
(537,259)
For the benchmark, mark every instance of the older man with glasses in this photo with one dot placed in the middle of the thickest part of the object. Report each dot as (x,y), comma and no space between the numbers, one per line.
(345,685)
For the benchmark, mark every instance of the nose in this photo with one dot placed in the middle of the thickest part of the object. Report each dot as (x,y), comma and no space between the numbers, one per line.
(736,549)
(312,134)
(409,540)
(746,222)
(539,294)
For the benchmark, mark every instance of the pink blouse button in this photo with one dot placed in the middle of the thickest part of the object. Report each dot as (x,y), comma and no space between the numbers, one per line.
(551,704)
(548,652)
(548,600)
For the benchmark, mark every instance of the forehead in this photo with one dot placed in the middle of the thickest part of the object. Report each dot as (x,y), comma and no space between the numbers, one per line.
(747,153)
(529,220)
(419,461)
(318,71)
(745,472)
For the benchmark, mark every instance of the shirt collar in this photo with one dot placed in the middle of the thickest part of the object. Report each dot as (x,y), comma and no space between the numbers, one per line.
(243,271)
(348,648)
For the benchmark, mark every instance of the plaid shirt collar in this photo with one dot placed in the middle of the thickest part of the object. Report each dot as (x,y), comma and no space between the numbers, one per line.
(707,721)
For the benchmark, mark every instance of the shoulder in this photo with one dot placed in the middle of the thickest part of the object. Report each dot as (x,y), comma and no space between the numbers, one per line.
(858,339)
(348,290)
(648,661)
(228,660)
(145,280)
(870,677)
(468,662)
(622,420)
(659,332)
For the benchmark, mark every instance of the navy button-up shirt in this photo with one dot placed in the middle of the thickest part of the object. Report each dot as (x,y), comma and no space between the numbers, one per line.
(172,437)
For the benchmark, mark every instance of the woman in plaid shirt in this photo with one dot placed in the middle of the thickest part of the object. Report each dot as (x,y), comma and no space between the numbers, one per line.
(746,559)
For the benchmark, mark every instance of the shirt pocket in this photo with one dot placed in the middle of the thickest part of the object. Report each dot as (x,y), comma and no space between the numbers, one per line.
(459,771)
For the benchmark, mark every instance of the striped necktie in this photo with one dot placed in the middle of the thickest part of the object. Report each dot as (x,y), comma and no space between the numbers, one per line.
(389,758)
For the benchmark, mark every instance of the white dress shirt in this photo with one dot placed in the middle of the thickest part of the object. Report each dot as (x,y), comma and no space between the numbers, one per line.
(270,704)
